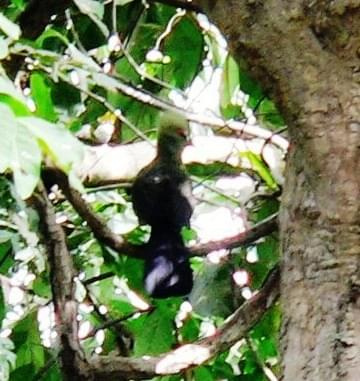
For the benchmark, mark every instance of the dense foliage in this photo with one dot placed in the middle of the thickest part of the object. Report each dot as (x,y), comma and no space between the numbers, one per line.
(93,76)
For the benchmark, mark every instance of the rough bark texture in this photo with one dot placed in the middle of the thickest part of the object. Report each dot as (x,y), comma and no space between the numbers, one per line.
(306,56)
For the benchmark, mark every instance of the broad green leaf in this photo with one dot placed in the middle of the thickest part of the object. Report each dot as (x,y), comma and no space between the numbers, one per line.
(259,166)
(153,333)
(203,373)
(186,62)
(41,94)
(29,350)
(212,292)
(9,28)
(63,148)
(19,152)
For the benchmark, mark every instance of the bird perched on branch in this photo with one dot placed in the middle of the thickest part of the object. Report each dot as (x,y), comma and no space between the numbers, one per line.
(161,198)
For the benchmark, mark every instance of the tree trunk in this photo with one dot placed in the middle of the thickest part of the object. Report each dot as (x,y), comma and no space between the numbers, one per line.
(306,56)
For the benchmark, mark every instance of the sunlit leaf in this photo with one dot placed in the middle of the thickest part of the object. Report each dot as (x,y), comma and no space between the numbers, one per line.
(41,94)
(9,28)
(28,348)
(19,152)
(259,166)
(63,148)
(4,48)
(229,85)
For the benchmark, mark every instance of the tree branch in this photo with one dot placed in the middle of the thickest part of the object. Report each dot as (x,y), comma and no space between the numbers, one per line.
(188,355)
(61,276)
(117,243)
(104,368)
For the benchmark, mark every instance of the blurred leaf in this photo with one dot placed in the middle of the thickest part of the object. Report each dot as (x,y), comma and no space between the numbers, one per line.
(123,2)
(5,236)
(153,333)
(259,166)
(229,85)
(7,358)
(28,347)
(41,94)
(18,108)
(203,373)
(94,10)
(4,48)
(8,87)
(212,292)
(185,63)
(9,28)
(63,148)
(19,152)
(90,6)
(2,311)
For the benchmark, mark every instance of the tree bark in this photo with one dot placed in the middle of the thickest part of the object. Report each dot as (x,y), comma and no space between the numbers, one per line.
(305,54)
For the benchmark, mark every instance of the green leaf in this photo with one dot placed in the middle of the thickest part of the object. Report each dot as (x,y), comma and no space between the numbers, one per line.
(18,108)
(63,148)
(29,349)
(19,152)
(229,85)
(95,10)
(90,7)
(9,28)
(153,333)
(212,292)
(185,63)
(259,166)
(202,373)
(41,94)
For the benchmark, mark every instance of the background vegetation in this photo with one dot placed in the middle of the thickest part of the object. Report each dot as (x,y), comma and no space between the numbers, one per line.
(99,73)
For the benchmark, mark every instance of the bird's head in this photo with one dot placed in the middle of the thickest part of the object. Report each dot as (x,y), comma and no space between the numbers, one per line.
(173,134)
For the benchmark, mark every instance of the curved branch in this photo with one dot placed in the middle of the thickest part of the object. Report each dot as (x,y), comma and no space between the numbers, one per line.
(116,242)
(197,353)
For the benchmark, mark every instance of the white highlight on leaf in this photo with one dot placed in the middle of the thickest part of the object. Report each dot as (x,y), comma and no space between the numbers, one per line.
(252,255)
(114,43)
(84,329)
(241,277)
(207,328)
(103,309)
(16,296)
(246,293)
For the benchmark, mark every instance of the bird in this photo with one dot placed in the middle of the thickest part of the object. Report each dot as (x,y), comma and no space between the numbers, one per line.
(161,197)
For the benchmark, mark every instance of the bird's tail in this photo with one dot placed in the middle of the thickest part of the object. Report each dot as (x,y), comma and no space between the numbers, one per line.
(167,267)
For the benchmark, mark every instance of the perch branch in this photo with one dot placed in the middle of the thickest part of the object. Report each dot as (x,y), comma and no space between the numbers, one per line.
(197,353)
(116,242)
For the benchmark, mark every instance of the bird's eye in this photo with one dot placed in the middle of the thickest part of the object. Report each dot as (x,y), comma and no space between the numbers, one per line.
(181,132)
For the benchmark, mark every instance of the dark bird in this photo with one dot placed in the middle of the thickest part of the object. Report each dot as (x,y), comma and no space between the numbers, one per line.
(161,198)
